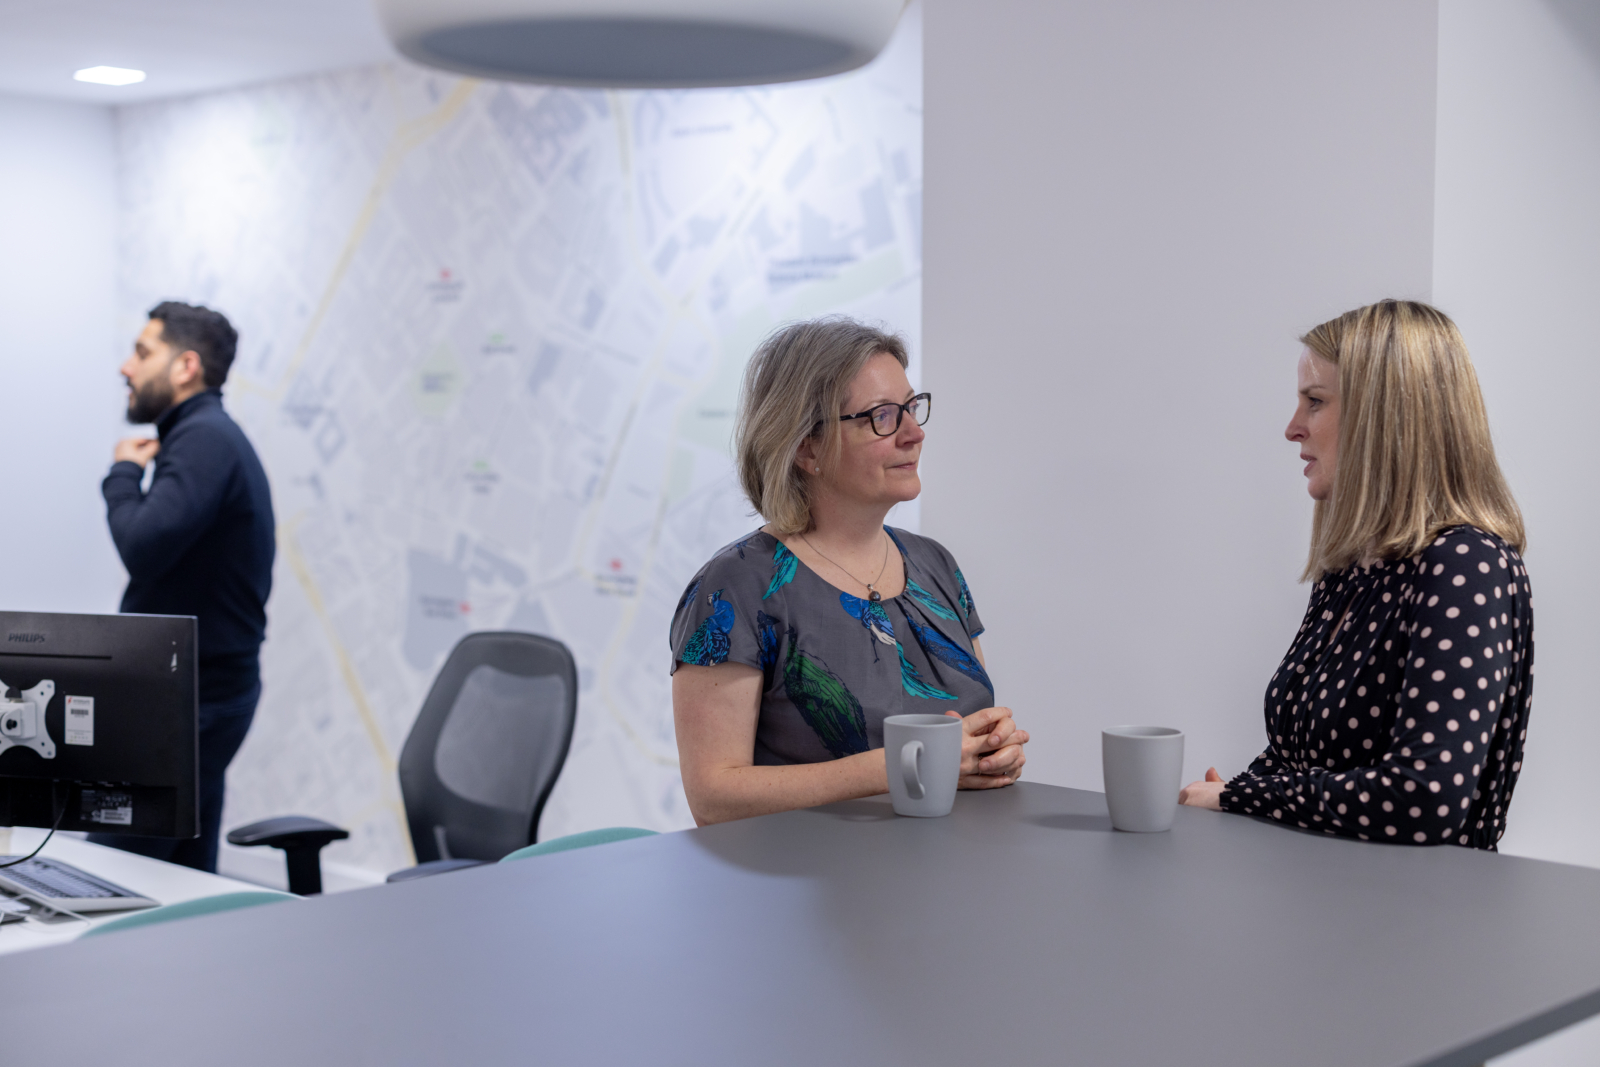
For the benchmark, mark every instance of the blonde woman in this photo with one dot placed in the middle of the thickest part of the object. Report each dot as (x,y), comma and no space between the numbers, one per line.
(1400,711)
(792,644)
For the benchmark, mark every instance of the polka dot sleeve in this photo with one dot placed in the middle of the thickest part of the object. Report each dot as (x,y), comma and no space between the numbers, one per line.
(1404,748)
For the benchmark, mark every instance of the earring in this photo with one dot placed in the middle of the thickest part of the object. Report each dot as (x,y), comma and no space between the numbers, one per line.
(819,470)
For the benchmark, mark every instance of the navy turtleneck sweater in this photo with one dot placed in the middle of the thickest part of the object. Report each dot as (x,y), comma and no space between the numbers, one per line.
(201,541)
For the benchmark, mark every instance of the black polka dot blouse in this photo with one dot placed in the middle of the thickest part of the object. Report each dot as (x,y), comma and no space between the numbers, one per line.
(1400,711)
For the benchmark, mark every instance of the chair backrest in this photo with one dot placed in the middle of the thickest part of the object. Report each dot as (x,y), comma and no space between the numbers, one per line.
(188,909)
(581,840)
(488,745)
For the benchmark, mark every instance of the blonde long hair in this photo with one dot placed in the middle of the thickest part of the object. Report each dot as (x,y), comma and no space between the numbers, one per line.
(1415,454)
(794,387)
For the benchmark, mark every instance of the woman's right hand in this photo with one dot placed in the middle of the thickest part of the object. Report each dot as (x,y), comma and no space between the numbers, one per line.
(1206,793)
(991,749)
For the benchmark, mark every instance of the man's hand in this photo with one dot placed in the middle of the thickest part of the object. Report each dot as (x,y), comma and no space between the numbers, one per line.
(140,450)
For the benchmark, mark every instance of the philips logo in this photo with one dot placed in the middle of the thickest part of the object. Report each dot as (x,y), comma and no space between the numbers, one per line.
(25,639)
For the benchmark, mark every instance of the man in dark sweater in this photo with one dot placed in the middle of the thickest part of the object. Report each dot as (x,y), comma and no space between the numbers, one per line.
(199,542)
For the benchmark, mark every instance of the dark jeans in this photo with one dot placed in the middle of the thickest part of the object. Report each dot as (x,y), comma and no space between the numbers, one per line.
(222,729)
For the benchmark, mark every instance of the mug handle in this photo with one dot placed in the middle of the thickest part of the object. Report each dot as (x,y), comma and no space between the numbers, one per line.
(910,769)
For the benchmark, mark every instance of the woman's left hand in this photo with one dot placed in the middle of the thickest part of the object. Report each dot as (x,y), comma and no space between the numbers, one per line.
(991,749)
(1204,794)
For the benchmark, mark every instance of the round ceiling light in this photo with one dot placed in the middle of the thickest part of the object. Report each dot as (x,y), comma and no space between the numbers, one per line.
(642,44)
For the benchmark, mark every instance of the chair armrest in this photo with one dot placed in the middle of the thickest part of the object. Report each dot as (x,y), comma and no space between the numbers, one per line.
(432,867)
(287,831)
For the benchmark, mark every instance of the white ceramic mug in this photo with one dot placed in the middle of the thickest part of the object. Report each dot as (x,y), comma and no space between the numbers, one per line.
(1143,768)
(923,756)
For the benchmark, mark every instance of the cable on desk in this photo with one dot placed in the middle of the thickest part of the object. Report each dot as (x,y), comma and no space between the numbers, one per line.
(59,815)
(44,902)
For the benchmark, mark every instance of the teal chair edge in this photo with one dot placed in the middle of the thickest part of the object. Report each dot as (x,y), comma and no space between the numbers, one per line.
(189,909)
(583,840)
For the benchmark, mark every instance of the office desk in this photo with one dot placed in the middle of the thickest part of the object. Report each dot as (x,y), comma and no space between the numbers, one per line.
(165,882)
(1021,929)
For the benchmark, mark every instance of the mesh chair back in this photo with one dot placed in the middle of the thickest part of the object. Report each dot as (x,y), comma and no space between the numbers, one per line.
(488,746)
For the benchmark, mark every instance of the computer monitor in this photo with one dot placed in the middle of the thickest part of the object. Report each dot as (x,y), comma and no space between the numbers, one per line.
(99,723)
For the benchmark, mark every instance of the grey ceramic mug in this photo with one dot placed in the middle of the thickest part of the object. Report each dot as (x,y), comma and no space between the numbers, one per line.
(1143,768)
(923,756)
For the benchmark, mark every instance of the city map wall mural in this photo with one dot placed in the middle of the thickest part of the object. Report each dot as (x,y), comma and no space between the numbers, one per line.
(491,337)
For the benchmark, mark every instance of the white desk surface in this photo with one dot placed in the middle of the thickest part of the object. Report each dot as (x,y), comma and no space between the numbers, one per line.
(165,882)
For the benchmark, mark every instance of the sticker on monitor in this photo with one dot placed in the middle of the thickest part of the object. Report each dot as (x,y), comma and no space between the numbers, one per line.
(108,807)
(80,720)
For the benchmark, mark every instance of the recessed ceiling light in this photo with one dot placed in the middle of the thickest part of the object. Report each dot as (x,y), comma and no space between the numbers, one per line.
(109,75)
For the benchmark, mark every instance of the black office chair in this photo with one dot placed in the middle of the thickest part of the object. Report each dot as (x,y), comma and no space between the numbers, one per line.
(481,759)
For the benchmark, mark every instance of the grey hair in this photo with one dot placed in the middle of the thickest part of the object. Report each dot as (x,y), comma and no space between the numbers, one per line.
(794,389)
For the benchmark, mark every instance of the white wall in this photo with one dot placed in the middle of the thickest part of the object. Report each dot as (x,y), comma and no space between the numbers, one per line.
(59,390)
(1517,262)
(1133,209)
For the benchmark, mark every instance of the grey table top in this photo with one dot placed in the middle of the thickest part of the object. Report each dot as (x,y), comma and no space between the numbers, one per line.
(1021,929)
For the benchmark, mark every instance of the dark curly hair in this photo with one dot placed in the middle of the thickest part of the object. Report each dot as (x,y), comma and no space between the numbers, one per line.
(209,334)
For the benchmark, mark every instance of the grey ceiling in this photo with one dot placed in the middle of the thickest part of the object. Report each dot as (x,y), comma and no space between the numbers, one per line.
(185,46)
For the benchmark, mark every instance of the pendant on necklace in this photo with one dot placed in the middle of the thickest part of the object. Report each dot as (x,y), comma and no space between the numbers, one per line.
(873,595)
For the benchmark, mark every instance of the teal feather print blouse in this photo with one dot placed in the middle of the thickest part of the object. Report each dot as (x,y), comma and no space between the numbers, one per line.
(834,665)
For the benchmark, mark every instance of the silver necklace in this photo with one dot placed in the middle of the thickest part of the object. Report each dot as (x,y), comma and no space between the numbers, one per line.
(872,593)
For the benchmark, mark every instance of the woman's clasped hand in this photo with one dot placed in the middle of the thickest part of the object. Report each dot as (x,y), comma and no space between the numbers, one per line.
(991,749)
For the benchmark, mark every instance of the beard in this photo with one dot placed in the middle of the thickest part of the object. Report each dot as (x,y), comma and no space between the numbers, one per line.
(150,401)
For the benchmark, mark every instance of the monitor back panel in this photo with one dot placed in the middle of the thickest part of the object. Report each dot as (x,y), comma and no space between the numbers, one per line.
(117,744)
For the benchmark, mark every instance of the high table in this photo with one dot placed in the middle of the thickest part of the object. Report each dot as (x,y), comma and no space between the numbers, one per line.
(1020,929)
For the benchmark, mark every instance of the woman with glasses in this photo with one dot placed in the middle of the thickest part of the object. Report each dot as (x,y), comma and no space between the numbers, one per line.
(1400,711)
(792,644)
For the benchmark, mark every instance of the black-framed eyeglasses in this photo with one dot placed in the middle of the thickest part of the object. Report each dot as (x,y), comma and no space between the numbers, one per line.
(885,418)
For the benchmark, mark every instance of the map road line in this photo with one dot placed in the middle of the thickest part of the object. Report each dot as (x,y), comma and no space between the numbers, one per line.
(409,136)
(352,681)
